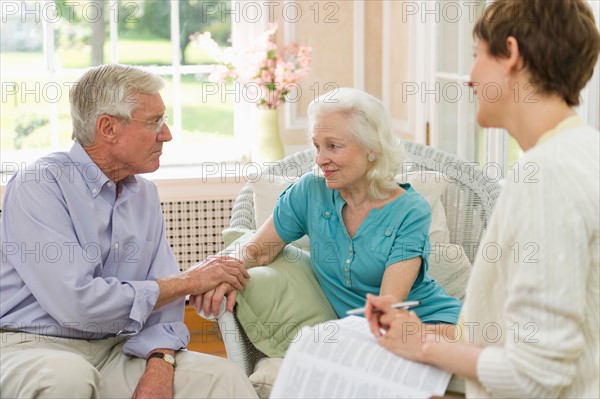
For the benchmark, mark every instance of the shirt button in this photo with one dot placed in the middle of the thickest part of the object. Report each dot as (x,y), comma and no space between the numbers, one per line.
(116,246)
(94,190)
(326,214)
(345,269)
(347,281)
(109,184)
(388,232)
(347,261)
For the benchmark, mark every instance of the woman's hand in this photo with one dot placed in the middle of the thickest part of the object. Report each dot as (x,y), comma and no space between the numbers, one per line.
(210,301)
(406,335)
(379,312)
(399,331)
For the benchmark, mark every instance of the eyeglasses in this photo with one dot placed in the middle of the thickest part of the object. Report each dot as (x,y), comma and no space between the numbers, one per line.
(159,123)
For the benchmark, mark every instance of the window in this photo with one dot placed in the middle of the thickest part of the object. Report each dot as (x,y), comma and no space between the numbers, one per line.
(453,115)
(443,56)
(46,46)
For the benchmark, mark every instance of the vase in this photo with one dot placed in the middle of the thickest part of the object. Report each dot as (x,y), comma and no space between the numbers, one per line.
(266,144)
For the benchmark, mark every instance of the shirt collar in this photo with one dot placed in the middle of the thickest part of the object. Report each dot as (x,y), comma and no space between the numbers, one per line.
(566,124)
(93,176)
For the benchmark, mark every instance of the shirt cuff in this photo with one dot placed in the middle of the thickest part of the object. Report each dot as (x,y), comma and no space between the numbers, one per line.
(173,336)
(146,294)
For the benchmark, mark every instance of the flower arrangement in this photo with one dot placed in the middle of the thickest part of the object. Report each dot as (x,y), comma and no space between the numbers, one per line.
(268,71)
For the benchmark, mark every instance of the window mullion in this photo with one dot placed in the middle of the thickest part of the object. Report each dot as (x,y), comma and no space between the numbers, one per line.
(114,30)
(497,149)
(244,33)
(175,55)
(462,131)
(49,54)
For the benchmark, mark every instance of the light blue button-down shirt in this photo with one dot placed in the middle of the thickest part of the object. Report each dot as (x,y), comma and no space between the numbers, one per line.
(78,261)
(348,268)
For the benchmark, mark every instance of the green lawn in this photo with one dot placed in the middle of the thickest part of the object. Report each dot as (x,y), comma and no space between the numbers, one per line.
(36,98)
(200,119)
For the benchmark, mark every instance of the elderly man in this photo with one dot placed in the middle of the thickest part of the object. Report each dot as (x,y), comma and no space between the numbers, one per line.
(92,298)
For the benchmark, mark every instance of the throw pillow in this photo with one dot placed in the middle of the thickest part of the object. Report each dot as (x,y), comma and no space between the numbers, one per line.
(232,234)
(280,298)
(266,190)
(431,185)
(450,267)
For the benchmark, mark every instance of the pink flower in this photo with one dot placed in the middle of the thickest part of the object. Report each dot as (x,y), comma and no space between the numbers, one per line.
(264,65)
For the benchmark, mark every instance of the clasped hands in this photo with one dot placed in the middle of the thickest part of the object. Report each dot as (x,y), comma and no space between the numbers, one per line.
(217,277)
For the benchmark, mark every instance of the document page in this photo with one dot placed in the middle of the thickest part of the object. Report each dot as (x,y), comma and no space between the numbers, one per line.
(342,359)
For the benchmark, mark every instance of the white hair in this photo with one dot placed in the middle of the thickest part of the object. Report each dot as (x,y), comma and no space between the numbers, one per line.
(107,89)
(370,124)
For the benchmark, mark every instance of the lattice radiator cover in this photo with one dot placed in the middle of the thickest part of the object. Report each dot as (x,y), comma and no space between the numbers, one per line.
(194,228)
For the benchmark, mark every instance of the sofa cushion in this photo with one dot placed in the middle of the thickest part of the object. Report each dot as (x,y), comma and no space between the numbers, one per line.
(264,375)
(450,267)
(431,185)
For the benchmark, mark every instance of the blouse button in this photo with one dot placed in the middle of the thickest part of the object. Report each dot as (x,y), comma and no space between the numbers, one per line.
(388,233)
(326,214)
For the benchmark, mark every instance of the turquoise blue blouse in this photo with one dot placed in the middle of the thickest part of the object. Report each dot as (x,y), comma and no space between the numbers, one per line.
(349,268)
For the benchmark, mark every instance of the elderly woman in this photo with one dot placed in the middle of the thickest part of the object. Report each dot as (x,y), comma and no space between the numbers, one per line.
(368,233)
(530,321)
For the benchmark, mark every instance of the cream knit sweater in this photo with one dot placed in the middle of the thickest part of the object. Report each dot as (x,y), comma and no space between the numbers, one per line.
(533,298)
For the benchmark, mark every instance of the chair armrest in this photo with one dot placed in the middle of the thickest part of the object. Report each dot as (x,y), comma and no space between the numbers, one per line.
(239,349)
(212,317)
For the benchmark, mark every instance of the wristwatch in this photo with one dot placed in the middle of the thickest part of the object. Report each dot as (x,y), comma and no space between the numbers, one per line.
(164,356)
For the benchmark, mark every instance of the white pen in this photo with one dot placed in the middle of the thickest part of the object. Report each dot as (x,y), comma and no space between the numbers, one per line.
(397,305)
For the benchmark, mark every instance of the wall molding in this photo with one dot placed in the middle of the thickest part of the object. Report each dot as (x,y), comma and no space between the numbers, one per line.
(386,51)
(292,119)
(358,19)
(387,45)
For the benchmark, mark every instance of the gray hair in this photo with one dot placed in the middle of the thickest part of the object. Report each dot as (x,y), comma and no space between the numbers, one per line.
(370,124)
(107,89)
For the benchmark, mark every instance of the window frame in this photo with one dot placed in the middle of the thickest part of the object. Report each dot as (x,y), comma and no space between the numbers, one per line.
(424,51)
(243,32)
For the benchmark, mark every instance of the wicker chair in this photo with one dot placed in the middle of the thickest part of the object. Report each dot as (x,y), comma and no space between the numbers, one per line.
(468,202)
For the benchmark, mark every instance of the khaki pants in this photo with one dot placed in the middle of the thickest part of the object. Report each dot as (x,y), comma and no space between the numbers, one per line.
(42,366)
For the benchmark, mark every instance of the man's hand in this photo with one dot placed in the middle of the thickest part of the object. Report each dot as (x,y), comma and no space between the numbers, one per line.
(157,381)
(202,278)
(216,270)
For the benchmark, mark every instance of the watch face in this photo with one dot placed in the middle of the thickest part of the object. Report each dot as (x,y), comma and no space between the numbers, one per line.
(169,358)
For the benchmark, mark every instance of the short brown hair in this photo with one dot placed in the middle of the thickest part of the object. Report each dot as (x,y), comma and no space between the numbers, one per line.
(558,39)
